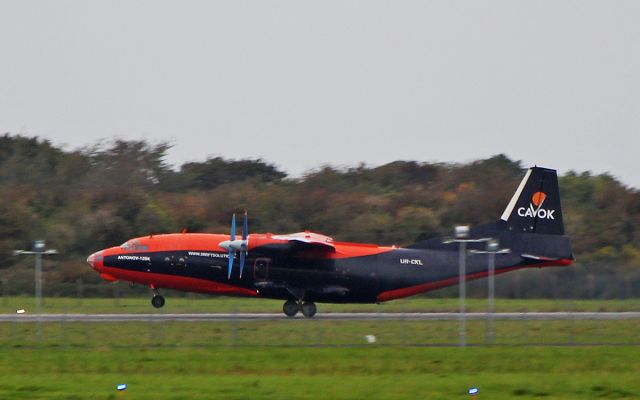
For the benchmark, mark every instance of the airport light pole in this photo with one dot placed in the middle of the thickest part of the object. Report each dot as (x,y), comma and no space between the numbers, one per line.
(492,249)
(461,234)
(39,250)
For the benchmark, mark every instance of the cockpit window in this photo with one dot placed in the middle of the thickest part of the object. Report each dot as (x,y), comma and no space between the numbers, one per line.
(134,245)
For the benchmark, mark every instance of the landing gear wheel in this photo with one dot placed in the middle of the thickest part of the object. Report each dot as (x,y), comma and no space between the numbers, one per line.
(308,309)
(290,308)
(157,301)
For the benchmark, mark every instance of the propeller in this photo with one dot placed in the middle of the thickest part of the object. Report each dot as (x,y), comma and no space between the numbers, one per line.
(232,245)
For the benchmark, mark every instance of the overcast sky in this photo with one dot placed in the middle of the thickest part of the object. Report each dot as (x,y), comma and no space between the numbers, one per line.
(301,84)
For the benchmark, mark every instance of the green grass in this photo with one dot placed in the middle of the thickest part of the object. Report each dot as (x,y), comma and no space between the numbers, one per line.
(326,373)
(318,359)
(199,304)
(300,332)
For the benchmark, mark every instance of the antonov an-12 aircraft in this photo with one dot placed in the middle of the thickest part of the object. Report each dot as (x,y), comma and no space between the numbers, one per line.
(306,268)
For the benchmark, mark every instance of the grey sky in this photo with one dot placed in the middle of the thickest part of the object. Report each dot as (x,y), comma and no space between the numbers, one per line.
(301,83)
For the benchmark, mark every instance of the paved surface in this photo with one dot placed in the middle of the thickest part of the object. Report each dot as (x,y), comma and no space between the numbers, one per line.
(321,316)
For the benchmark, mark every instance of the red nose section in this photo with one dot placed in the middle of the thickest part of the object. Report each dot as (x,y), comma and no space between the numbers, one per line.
(95,260)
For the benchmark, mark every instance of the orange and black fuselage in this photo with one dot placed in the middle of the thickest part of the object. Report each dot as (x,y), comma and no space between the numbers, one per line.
(312,267)
(278,269)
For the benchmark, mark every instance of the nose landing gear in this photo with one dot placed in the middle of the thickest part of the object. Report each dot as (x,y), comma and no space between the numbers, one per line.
(157,300)
(307,308)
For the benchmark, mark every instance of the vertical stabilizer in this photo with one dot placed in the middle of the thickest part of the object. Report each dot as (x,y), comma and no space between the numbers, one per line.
(535,207)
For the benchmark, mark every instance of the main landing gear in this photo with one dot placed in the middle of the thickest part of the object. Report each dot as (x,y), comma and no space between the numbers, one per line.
(157,300)
(307,308)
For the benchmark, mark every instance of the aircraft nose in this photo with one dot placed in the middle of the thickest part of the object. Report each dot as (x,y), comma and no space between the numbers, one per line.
(95,259)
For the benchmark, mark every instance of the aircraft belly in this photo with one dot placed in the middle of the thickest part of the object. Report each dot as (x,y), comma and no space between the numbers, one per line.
(326,280)
(356,279)
(322,279)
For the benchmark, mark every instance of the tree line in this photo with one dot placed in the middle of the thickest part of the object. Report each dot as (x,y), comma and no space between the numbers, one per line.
(87,199)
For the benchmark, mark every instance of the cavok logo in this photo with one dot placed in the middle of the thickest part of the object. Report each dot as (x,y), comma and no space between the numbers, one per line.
(535,208)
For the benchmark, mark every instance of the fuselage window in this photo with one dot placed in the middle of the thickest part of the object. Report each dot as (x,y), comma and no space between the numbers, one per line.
(134,245)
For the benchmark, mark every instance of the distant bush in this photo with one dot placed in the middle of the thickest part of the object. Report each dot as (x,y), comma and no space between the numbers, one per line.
(100,196)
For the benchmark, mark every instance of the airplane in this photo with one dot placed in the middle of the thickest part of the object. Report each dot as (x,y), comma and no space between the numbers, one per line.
(306,267)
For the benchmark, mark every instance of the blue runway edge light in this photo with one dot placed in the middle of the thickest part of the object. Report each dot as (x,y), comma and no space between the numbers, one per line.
(122,386)
(473,391)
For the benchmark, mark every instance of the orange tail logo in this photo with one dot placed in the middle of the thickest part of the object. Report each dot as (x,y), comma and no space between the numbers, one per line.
(538,198)
(535,209)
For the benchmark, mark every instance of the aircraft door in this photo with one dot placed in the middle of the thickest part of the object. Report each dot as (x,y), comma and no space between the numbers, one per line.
(261,269)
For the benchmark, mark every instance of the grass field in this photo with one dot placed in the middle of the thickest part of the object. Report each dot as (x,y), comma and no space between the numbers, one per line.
(212,372)
(199,304)
(317,359)
(319,333)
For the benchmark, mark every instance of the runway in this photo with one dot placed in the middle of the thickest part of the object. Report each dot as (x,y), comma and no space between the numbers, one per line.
(319,317)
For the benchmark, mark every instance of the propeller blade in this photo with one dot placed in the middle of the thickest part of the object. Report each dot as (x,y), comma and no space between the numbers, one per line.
(245,226)
(232,253)
(243,254)
(233,227)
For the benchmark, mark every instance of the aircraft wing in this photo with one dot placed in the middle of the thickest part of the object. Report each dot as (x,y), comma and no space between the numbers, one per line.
(308,239)
(301,242)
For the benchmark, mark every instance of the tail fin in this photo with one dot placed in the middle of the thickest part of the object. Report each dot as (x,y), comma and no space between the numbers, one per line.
(535,207)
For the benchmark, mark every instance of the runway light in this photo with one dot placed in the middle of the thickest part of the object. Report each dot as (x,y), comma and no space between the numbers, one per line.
(20,311)
(121,386)
(473,391)
(370,338)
